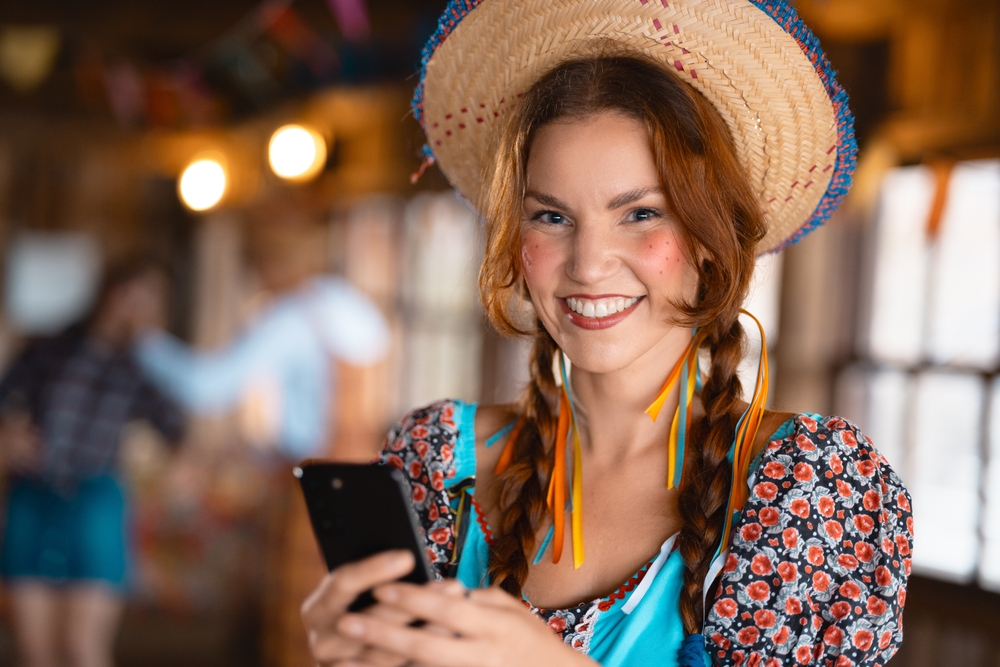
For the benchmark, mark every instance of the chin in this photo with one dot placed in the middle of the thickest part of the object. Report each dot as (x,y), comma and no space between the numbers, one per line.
(603,356)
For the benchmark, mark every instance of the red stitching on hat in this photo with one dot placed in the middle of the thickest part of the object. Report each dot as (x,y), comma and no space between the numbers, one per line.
(664,3)
(464,110)
(679,65)
(832,148)
(447,133)
(788,198)
(447,116)
(813,168)
(677,30)
(772,200)
(642,1)
(496,115)
(683,50)
(482,106)
(827,168)
(694,75)
(437,143)
(807,185)
(435,125)
(461,126)
(794,184)
(479,120)
(656,24)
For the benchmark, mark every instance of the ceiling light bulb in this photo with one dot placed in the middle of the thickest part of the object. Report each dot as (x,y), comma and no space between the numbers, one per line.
(202,184)
(296,152)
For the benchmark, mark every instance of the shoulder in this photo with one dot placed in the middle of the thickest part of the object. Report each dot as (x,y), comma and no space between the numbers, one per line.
(433,442)
(819,559)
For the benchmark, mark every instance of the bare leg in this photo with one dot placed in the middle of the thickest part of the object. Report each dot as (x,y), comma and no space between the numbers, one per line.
(93,612)
(36,613)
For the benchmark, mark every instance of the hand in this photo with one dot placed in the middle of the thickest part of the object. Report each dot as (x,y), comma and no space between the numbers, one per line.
(327,605)
(20,444)
(483,628)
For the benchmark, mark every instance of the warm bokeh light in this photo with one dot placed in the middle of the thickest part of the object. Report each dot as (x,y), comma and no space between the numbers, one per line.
(202,184)
(296,152)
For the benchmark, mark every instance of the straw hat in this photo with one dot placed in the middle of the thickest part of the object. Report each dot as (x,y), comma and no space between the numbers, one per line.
(753,59)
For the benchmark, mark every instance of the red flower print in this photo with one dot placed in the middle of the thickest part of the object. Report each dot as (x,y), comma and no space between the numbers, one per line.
(447,451)
(815,555)
(790,538)
(419,493)
(834,529)
(432,556)
(872,501)
(844,489)
(800,508)
(876,606)
(437,480)
(903,502)
(557,623)
(775,470)
(766,490)
(888,546)
(761,565)
(909,525)
(821,581)
(862,639)
(721,641)
(731,563)
(759,591)
(748,636)
(840,610)
(849,589)
(836,465)
(432,513)
(901,597)
(415,469)
(809,423)
(394,461)
(750,532)
(769,516)
(421,447)
(793,606)
(804,654)
(772,662)
(804,443)
(826,506)
(440,535)
(803,472)
(787,571)
(864,551)
(738,658)
(843,661)
(883,577)
(907,564)
(864,523)
(847,561)
(781,636)
(833,636)
(726,607)
(849,438)
(866,468)
(885,639)
(419,432)
(764,618)
(903,545)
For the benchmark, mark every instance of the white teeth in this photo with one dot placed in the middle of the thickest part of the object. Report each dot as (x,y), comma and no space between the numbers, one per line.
(600,307)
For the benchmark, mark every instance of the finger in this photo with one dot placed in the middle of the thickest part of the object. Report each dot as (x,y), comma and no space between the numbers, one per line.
(339,588)
(471,615)
(415,644)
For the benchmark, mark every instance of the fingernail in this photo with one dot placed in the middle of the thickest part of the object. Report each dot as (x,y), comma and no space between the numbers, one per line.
(352,626)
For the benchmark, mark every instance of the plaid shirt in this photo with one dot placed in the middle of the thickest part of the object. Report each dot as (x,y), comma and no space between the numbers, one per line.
(81,394)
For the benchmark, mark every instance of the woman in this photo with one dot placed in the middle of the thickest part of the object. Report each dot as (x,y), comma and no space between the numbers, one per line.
(632,170)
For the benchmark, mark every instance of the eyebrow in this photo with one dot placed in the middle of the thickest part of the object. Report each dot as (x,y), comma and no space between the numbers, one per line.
(624,199)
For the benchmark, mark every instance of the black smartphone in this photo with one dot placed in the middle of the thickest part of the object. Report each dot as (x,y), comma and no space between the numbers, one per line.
(360,510)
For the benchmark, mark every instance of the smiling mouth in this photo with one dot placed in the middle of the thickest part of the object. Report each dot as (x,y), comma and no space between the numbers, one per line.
(599,313)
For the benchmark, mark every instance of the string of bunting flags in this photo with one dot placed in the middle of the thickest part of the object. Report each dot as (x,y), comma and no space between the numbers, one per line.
(270,52)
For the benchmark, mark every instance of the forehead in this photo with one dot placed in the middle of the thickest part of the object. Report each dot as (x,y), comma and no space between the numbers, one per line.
(601,154)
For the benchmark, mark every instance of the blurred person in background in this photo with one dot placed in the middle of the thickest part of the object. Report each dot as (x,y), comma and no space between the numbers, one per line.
(64,403)
(310,328)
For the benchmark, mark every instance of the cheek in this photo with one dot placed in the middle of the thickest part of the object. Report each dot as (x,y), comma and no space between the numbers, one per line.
(660,259)
(541,258)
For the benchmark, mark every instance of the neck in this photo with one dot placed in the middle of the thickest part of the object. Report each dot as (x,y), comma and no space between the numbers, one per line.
(611,407)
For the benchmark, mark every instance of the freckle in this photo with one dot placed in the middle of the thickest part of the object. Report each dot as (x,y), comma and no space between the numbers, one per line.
(661,273)
(650,246)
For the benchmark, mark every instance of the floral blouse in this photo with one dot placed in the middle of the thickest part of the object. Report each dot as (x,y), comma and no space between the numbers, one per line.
(815,575)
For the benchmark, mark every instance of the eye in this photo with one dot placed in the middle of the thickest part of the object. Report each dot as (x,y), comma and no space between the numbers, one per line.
(550,218)
(643,215)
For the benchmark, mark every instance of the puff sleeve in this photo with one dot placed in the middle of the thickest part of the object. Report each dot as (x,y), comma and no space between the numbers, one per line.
(816,574)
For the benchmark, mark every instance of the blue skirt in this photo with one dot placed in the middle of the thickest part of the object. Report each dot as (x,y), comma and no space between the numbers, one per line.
(66,540)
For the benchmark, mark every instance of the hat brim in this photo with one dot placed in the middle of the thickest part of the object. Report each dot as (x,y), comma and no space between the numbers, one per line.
(760,67)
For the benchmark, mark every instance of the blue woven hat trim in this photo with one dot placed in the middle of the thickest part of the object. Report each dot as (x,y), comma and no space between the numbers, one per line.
(785,16)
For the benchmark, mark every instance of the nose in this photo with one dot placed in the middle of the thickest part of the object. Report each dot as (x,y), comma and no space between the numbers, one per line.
(594,256)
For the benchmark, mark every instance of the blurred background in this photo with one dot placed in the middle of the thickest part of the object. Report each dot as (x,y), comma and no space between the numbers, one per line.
(257,157)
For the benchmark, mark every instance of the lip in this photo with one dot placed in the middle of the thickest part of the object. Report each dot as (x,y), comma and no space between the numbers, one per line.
(594,323)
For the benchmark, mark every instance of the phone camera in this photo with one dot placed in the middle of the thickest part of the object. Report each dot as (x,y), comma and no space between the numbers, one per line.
(337,483)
